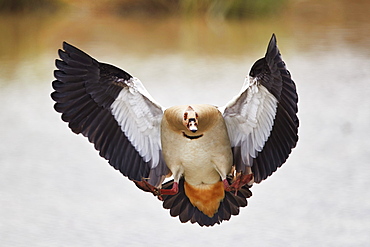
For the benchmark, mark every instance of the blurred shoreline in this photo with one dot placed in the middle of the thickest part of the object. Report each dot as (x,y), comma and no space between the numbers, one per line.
(139,8)
(301,25)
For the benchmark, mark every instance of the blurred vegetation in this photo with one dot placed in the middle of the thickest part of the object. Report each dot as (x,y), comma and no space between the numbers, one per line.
(229,9)
(31,31)
(29,6)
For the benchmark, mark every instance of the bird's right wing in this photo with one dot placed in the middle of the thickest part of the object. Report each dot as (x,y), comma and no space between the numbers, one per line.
(113,110)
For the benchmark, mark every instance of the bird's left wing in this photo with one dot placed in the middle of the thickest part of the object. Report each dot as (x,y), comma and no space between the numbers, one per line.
(262,121)
(112,109)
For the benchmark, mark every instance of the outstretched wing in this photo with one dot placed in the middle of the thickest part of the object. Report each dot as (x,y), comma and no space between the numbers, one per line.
(262,121)
(113,110)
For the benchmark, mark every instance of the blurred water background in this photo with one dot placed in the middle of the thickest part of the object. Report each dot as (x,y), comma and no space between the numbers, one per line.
(55,190)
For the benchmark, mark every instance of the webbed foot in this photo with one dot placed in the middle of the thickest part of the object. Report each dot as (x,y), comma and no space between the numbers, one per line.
(147,187)
(238,183)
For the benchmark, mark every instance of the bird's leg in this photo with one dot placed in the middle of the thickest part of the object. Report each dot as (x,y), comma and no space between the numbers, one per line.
(145,186)
(240,180)
(226,184)
(173,191)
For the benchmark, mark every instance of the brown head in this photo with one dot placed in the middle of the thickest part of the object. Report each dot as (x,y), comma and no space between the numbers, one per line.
(190,119)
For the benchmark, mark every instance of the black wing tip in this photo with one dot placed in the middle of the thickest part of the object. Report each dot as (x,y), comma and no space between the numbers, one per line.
(272,45)
(61,53)
(273,39)
(257,67)
(73,50)
(67,46)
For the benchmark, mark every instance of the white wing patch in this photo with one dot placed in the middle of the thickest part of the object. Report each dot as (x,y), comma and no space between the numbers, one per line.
(249,119)
(139,117)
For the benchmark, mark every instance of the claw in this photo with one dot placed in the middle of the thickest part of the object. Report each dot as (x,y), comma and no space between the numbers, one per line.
(239,182)
(172,191)
(147,187)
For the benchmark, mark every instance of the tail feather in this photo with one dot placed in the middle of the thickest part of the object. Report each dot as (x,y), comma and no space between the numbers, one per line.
(180,205)
(206,197)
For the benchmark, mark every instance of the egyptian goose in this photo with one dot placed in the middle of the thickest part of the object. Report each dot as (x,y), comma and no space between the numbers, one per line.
(214,154)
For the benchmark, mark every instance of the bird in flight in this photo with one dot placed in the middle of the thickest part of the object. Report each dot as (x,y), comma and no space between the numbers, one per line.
(210,155)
